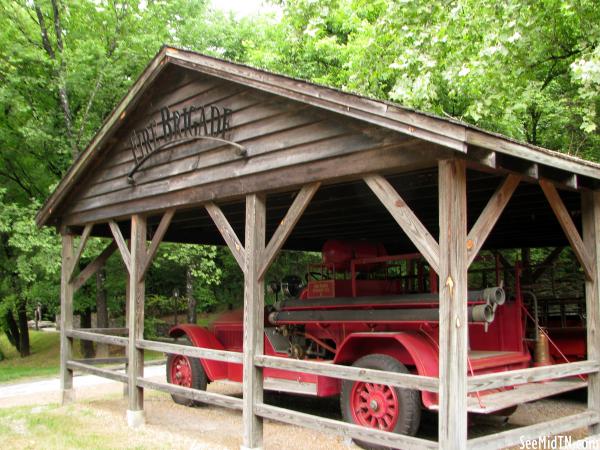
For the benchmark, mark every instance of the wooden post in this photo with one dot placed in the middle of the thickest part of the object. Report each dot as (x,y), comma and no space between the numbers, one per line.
(254,299)
(453,305)
(590,209)
(66,319)
(135,411)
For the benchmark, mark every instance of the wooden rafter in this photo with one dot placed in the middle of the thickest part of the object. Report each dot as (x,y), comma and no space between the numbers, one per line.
(82,242)
(125,254)
(286,226)
(93,267)
(228,234)
(165,221)
(566,222)
(490,215)
(408,221)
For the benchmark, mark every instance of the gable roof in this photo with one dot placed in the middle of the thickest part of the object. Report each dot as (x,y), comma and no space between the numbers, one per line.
(455,135)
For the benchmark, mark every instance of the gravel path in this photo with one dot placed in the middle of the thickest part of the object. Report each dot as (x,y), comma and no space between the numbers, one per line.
(211,427)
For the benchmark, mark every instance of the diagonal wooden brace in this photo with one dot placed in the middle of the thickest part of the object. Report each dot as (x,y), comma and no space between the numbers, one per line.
(165,221)
(121,244)
(228,234)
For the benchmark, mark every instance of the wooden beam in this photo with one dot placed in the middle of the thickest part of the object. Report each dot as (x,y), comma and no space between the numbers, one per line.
(94,266)
(135,323)
(165,221)
(84,238)
(531,374)
(453,326)
(254,300)
(590,209)
(384,438)
(490,215)
(194,352)
(105,373)
(404,380)
(125,254)
(228,234)
(97,337)
(211,398)
(534,432)
(566,222)
(543,266)
(66,319)
(286,226)
(408,221)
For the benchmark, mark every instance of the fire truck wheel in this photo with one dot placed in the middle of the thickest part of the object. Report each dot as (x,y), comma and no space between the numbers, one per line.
(187,372)
(378,405)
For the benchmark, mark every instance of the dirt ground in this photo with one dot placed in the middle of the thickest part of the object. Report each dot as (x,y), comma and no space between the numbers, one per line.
(209,427)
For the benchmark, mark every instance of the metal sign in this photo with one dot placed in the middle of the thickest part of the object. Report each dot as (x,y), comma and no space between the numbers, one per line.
(209,122)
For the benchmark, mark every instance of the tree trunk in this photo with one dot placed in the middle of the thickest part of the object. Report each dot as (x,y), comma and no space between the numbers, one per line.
(189,293)
(12,330)
(87,347)
(101,309)
(24,348)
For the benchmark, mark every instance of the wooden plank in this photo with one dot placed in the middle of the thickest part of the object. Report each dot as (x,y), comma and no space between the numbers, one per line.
(125,253)
(194,352)
(96,337)
(349,430)
(534,432)
(95,361)
(340,168)
(135,323)
(254,302)
(521,376)
(115,331)
(210,398)
(94,266)
(86,158)
(590,210)
(403,380)
(286,226)
(165,221)
(546,263)
(80,248)
(453,327)
(490,215)
(228,234)
(523,393)
(66,319)
(566,222)
(233,169)
(104,373)
(408,221)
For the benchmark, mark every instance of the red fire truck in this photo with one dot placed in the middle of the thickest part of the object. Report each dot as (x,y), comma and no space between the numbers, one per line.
(365,308)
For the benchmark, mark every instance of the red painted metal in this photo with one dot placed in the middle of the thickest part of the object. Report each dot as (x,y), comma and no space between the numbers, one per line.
(357,276)
(181,371)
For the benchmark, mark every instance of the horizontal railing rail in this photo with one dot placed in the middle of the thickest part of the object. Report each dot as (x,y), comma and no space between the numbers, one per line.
(96,337)
(521,376)
(404,380)
(105,373)
(194,394)
(534,432)
(384,438)
(195,352)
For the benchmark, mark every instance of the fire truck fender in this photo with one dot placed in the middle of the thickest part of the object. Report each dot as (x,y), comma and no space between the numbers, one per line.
(201,337)
(410,348)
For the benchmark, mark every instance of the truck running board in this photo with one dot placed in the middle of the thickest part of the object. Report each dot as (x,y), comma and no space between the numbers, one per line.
(489,403)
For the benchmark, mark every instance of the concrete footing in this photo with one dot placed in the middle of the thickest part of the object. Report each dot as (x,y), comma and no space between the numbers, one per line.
(135,419)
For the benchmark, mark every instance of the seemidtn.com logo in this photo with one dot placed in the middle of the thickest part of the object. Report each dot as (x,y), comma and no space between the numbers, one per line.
(558,442)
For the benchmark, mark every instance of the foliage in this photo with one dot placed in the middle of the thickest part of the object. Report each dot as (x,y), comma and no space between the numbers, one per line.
(528,69)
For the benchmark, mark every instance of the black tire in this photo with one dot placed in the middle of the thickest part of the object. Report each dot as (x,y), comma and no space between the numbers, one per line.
(408,400)
(199,380)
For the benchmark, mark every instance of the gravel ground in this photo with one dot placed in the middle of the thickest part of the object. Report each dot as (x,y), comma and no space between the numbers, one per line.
(211,427)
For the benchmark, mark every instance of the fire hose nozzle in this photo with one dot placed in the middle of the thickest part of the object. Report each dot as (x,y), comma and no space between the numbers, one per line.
(494,295)
(482,313)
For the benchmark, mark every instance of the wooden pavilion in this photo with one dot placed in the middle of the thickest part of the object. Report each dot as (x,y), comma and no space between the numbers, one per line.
(208,151)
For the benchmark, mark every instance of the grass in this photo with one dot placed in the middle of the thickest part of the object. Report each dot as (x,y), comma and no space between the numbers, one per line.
(44,359)
(72,427)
